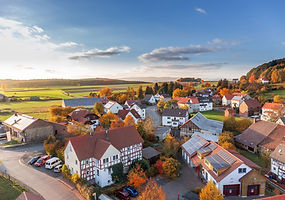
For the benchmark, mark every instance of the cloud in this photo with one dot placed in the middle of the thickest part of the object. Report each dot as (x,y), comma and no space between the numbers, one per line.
(200,10)
(112,51)
(175,53)
(218,41)
(52,71)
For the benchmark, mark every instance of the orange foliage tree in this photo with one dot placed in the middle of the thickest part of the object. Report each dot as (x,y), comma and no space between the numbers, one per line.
(277,99)
(117,123)
(106,119)
(211,192)
(137,176)
(129,121)
(159,166)
(122,98)
(251,79)
(58,113)
(179,93)
(152,191)
(225,91)
(170,167)
(228,145)
(105,92)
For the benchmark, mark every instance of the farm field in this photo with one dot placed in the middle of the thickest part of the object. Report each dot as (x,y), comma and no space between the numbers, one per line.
(49,97)
(8,189)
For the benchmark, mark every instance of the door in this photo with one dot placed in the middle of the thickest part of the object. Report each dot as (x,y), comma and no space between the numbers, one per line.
(231,190)
(252,190)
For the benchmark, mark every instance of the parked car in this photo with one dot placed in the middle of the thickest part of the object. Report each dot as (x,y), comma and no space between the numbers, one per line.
(33,160)
(51,163)
(131,190)
(122,195)
(42,160)
(57,168)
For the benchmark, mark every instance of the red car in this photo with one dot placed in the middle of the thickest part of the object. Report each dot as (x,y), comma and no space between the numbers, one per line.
(42,160)
(123,195)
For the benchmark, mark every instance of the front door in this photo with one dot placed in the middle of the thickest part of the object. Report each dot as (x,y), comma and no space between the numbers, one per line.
(252,190)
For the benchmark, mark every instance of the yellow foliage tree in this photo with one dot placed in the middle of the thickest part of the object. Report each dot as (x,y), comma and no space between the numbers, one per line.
(106,119)
(170,167)
(3,87)
(243,124)
(225,91)
(77,128)
(129,121)
(105,92)
(137,176)
(75,177)
(152,191)
(228,145)
(117,123)
(211,192)
(179,93)
(58,113)
(122,98)
(277,99)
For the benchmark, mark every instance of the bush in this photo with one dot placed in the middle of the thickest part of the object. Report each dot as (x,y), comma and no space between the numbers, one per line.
(117,175)
(151,172)
(66,172)
(85,189)
(75,177)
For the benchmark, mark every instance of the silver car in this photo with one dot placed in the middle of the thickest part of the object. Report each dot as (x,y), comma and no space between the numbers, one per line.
(57,169)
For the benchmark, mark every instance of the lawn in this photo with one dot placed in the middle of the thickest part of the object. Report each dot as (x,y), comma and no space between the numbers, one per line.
(271,94)
(215,115)
(8,189)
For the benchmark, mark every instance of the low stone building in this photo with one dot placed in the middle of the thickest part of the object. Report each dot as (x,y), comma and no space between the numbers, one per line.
(249,108)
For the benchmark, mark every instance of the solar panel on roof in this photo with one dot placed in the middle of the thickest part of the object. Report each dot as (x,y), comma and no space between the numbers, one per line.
(229,159)
(204,150)
(217,162)
(193,144)
(212,146)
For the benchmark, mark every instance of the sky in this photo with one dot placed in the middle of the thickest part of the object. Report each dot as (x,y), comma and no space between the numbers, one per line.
(138,40)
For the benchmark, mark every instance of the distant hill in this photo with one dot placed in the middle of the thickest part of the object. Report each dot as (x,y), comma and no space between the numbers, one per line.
(63,82)
(191,79)
(274,71)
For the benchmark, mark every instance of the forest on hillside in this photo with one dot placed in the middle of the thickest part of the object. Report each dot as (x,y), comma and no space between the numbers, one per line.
(274,71)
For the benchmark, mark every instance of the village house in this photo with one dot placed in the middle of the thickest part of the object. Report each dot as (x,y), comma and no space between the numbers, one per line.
(27,129)
(157,96)
(227,99)
(164,97)
(249,108)
(264,80)
(174,117)
(112,106)
(235,80)
(199,123)
(272,111)
(81,102)
(236,101)
(232,173)
(136,105)
(85,117)
(229,112)
(278,163)
(244,96)
(205,103)
(281,121)
(122,114)
(161,132)
(217,99)
(92,156)
(3,97)
(261,136)
(149,98)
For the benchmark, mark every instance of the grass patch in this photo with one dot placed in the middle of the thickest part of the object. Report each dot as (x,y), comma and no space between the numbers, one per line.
(11,143)
(216,115)
(256,158)
(9,189)
(271,94)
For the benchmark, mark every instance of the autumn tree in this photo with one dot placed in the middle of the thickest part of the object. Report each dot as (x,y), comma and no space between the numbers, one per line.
(106,119)
(170,167)
(105,92)
(211,192)
(116,123)
(98,108)
(122,98)
(277,99)
(3,87)
(243,124)
(170,146)
(77,128)
(152,191)
(251,79)
(155,88)
(179,93)
(224,91)
(230,124)
(129,121)
(160,105)
(131,93)
(140,92)
(137,176)
(226,136)
(228,145)
(58,113)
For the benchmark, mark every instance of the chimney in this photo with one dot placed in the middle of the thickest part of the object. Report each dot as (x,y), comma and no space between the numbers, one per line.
(107,134)
(91,135)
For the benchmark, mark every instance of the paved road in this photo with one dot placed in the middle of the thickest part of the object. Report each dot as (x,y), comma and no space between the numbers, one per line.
(155,116)
(49,187)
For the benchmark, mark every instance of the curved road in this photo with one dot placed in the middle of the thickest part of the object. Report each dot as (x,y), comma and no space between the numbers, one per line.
(49,187)
(155,116)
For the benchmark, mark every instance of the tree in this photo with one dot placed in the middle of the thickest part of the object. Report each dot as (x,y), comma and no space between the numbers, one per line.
(211,192)
(251,79)
(170,145)
(155,88)
(137,176)
(159,166)
(277,99)
(106,119)
(140,129)
(77,128)
(148,126)
(117,123)
(58,113)
(122,98)
(243,125)
(118,172)
(160,105)
(75,177)
(228,145)
(130,93)
(152,191)
(224,91)
(3,87)
(140,92)
(98,108)
(167,105)
(105,92)
(148,90)
(265,156)
(179,93)
(170,167)
(129,121)
(230,124)
(226,136)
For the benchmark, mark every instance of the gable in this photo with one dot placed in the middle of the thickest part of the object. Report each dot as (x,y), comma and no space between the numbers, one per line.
(111,151)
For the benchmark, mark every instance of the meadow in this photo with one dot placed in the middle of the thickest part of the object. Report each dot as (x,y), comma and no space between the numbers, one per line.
(8,189)
(49,97)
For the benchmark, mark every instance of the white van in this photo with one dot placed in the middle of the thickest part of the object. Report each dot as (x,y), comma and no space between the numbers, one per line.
(57,169)
(51,163)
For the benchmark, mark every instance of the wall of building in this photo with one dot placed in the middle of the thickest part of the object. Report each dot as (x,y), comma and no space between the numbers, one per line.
(71,159)
(38,131)
(253,179)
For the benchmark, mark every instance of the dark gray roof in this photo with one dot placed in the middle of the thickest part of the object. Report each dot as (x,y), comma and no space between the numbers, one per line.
(216,161)
(81,102)
(282,119)
(174,112)
(205,99)
(194,144)
(147,97)
(150,152)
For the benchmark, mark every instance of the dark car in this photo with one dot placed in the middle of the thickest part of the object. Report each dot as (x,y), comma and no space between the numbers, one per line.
(122,195)
(131,190)
(33,160)
(42,160)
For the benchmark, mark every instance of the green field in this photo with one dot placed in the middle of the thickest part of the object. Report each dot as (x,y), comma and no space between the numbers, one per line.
(271,94)
(49,97)
(215,115)
(8,189)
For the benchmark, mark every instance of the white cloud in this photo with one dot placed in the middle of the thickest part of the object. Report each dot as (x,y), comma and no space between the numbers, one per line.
(200,10)
(112,51)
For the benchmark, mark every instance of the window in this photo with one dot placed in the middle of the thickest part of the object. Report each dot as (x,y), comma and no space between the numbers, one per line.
(97,172)
(114,157)
(87,172)
(274,168)
(76,162)
(244,170)
(241,170)
(117,157)
(87,163)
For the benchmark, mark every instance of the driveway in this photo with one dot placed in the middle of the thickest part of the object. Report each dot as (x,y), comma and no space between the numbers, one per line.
(155,116)
(50,188)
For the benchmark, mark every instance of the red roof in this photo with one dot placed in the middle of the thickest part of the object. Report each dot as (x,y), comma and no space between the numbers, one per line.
(29,196)
(194,99)
(123,113)
(277,197)
(228,96)
(182,100)
(88,146)
(273,106)
(216,97)
(80,115)
(239,94)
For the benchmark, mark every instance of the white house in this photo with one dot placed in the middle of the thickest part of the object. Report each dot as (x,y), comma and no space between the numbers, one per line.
(192,103)
(149,98)
(205,103)
(228,170)
(264,80)
(278,163)
(157,97)
(92,156)
(272,110)
(133,113)
(174,117)
(199,123)
(85,117)
(227,99)
(113,107)
(236,101)
(137,106)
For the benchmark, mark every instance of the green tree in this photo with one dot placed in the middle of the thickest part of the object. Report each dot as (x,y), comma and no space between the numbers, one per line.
(140,92)
(155,88)
(148,90)
(118,172)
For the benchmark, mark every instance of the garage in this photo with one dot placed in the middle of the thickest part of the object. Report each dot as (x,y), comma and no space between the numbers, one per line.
(231,190)
(252,190)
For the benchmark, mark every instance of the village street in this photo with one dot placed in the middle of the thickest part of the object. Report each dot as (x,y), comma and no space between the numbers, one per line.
(47,186)
(156,118)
